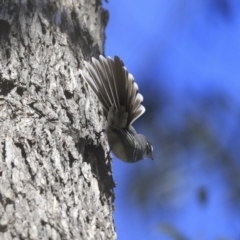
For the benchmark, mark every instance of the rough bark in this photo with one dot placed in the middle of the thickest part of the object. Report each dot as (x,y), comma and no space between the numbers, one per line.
(55,179)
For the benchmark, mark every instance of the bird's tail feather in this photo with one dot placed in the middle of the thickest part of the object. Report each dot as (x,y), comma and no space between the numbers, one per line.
(114,86)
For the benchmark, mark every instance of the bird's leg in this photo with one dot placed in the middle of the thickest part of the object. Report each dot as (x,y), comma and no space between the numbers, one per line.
(108,154)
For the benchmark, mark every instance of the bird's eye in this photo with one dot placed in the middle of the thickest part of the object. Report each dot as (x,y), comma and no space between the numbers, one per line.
(149,148)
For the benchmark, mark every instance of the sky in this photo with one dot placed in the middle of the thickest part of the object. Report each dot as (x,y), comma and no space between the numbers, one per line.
(178,46)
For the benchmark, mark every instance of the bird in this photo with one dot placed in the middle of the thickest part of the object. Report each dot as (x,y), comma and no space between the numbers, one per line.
(119,95)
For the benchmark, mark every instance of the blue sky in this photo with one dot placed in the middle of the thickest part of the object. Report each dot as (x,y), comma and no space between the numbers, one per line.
(178,46)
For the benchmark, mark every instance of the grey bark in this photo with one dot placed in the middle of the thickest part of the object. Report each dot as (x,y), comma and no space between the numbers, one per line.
(55,179)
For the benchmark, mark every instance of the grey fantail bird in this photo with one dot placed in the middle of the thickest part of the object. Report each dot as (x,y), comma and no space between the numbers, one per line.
(118,93)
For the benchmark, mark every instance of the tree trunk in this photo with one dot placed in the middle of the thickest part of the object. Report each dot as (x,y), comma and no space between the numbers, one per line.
(55,178)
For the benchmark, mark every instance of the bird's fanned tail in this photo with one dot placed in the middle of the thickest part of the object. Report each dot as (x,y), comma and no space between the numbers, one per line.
(111,82)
